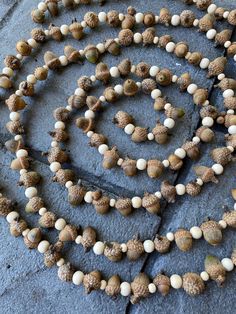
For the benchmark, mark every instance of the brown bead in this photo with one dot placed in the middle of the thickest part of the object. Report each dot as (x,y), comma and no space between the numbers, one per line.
(51,60)
(187,18)
(15,103)
(52,255)
(217,66)
(124,206)
(12,62)
(221,155)
(192,150)
(128,22)
(155,168)
(193,284)
(64,175)
(23,48)
(164,40)
(122,119)
(168,191)
(164,77)
(113,18)
(110,94)
(206,174)
(151,203)
(181,49)
(130,87)
(34,204)
(160,133)
(97,139)
(30,178)
(41,73)
(176,163)
(206,23)
(183,240)
(65,272)
(113,251)
(162,283)
(17,227)
(110,158)
(88,238)
(47,220)
(148,36)
(142,70)
(126,37)
(184,81)
(193,189)
(165,16)
(139,287)
(92,281)
(139,135)
(149,19)
(124,67)
(200,96)
(33,238)
(148,85)
(76,30)
(68,3)
(129,167)
(113,286)
(55,32)
(195,58)
(85,124)
(69,233)
(134,249)
(76,194)
(212,232)
(72,54)
(91,19)
(6,206)
(162,244)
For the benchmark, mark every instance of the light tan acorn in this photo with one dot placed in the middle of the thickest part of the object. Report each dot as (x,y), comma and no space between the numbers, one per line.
(17,226)
(168,191)
(221,155)
(149,19)
(101,202)
(28,179)
(200,96)
(195,58)
(102,72)
(61,114)
(129,167)
(130,87)
(226,83)
(97,139)
(231,140)
(187,18)
(165,16)
(72,54)
(174,113)
(15,127)
(110,94)
(193,284)
(230,103)
(88,238)
(162,282)
(51,60)
(110,158)
(219,12)
(93,103)
(139,135)
(183,240)
(233,257)
(113,251)
(215,269)
(57,154)
(230,119)
(55,32)
(124,206)
(34,204)
(152,203)
(69,233)
(128,21)
(232,17)
(86,124)
(142,70)
(139,288)
(59,135)
(15,103)
(76,194)
(212,232)
(193,189)
(64,175)
(52,255)
(76,101)
(76,30)
(205,134)
(192,150)
(126,37)
(160,133)
(206,23)
(124,67)
(92,281)
(113,18)
(231,51)
(23,48)
(148,36)
(155,168)
(13,146)
(47,220)
(148,85)
(223,36)
(159,103)
(181,49)
(65,272)
(209,111)
(162,244)
(230,218)
(203,4)
(91,19)
(38,34)
(134,249)
(217,66)
(5,81)
(113,286)
(164,40)
(184,81)
(164,77)
(206,174)
(33,238)
(175,162)
(122,118)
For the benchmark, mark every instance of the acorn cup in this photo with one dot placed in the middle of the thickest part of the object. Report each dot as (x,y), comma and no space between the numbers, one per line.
(112,47)
(57,154)
(192,150)
(69,233)
(215,269)
(34,204)
(212,232)
(148,36)
(77,102)
(92,281)
(162,244)
(113,286)
(233,257)
(47,220)
(12,62)
(205,134)
(155,168)
(52,255)
(76,30)
(38,34)
(113,251)
(193,284)
(88,238)
(93,103)
(13,146)
(6,206)
(134,249)
(139,288)
(176,162)
(52,6)
(222,37)
(165,16)
(86,124)
(55,32)
(97,139)
(160,133)
(139,135)
(63,175)
(110,158)
(200,96)
(193,189)
(162,283)
(164,40)
(65,272)
(221,155)
(151,203)
(159,103)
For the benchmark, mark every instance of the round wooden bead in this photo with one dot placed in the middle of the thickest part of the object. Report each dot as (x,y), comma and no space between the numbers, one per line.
(129,129)
(55,166)
(170,236)
(192,88)
(102,149)
(228,93)
(180,152)
(21,153)
(88,197)
(175,20)
(232,129)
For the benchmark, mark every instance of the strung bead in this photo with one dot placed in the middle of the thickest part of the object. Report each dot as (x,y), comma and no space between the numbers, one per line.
(148,246)
(228,93)
(136,202)
(180,152)
(218,169)
(102,149)
(98,248)
(169,123)
(232,129)
(64,29)
(43,246)
(175,20)
(14,116)
(223,224)
(192,89)
(204,275)
(170,47)
(89,114)
(42,211)
(141,164)
(152,288)
(196,232)
(21,153)
(61,262)
(207,121)
(88,197)
(227,264)
(60,224)
(180,189)
(176,281)
(211,34)
(31,192)
(125,289)
(55,166)
(155,93)
(129,129)
(12,216)
(78,277)
(153,70)
(170,236)
(204,63)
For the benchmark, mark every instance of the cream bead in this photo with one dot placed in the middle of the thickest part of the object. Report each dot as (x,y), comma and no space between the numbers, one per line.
(227,44)
(158,194)
(218,169)
(196,139)
(23,171)
(176,281)
(207,121)
(93,77)
(133,68)
(89,114)
(154,70)
(195,22)
(211,33)
(43,246)
(14,116)
(155,93)
(69,184)
(33,43)
(19,56)
(60,125)
(227,264)
(152,288)
(125,289)
(69,108)
(64,29)
(170,236)
(192,89)
(19,93)
(129,129)
(54,144)
(102,149)
(102,16)
(31,192)
(98,248)
(234,206)
(199,181)
(78,239)
(157,18)
(90,133)
(167,106)
(232,129)
(231,148)
(141,164)
(121,17)
(114,71)
(139,17)
(204,275)
(80,92)
(180,189)
(42,6)
(221,76)
(64,61)
(120,161)
(170,47)
(123,247)
(83,24)
(101,47)
(196,232)
(12,216)
(136,202)
(119,89)
(230,111)
(234,57)
(112,202)
(78,277)
(31,79)
(102,98)
(150,136)
(42,211)
(166,163)
(204,63)
(60,224)
(226,14)
(174,78)
(148,246)
(21,153)
(18,137)
(156,40)
(228,93)
(211,9)
(169,123)
(175,20)
(25,232)
(180,152)
(55,166)
(223,224)
(103,284)
(8,71)
(61,262)
(138,38)
(88,197)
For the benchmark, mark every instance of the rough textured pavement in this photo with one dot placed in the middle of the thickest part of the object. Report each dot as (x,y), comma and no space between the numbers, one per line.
(28,286)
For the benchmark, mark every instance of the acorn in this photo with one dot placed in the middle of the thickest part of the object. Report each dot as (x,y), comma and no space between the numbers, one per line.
(148,85)
(193,189)
(126,37)
(130,87)
(34,204)
(164,40)
(64,175)
(222,37)
(86,124)
(72,54)
(233,193)
(57,154)
(38,35)
(110,158)
(232,17)
(165,16)
(33,238)
(193,284)
(215,269)
(142,70)
(151,203)
(52,255)
(195,58)
(183,240)
(159,103)
(181,49)
(184,81)
(162,244)
(92,281)
(139,135)
(69,233)
(124,67)
(139,288)
(160,133)
(38,16)
(164,77)
(221,155)
(231,140)
(91,19)
(168,191)
(129,167)
(205,134)
(162,283)
(122,118)
(192,150)
(102,72)
(206,174)
(13,146)
(91,53)
(110,94)
(47,220)
(76,30)
(12,62)
(200,96)
(226,83)
(113,18)
(219,12)
(124,206)
(76,101)
(97,139)
(176,163)
(85,83)
(217,66)
(203,4)
(17,227)
(5,81)
(15,127)
(101,202)
(149,19)
(131,10)
(230,218)
(113,251)
(28,179)
(65,272)
(93,103)
(148,36)
(55,32)
(23,48)
(174,113)
(113,286)
(15,103)
(206,23)
(128,21)
(230,103)
(187,18)
(20,163)
(68,3)
(155,168)
(211,232)
(61,114)
(52,6)
(41,73)
(233,257)
(231,51)
(59,135)
(209,111)
(88,238)
(6,206)
(76,194)
(51,60)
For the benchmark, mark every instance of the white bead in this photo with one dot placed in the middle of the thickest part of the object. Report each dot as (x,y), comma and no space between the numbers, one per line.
(61,262)
(167,106)
(42,6)
(43,246)
(112,202)
(139,17)
(119,89)
(23,171)
(93,78)
(120,161)
(33,43)
(64,29)
(227,264)
(154,70)
(102,98)
(60,125)
(234,206)
(169,123)
(89,114)
(121,17)
(180,189)
(21,153)
(78,277)
(81,51)
(129,129)
(102,148)
(88,197)
(232,129)
(231,148)
(18,137)
(19,56)
(42,211)
(133,68)
(138,38)
(125,289)
(80,92)
(223,224)
(175,20)
(102,16)
(148,246)
(136,202)
(234,57)
(55,166)
(141,164)
(150,137)
(211,33)
(90,133)
(204,63)
(25,232)
(230,111)
(68,184)
(78,239)
(31,192)
(69,108)
(114,71)
(8,71)
(174,78)
(199,181)
(196,139)
(98,248)
(170,47)
(152,288)
(157,19)
(156,40)
(19,93)
(211,9)
(123,247)
(227,44)
(64,61)
(180,152)
(83,24)
(196,232)
(12,216)
(31,79)
(228,93)
(176,281)
(170,236)
(155,93)
(195,22)
(60,224)
(103,284)
(226,14)
(207,121)
(14,116)
(166,163)
(204,275)
(101,47)
(54,144)
(221,76)
(192,89)
(218,169)
(158,194)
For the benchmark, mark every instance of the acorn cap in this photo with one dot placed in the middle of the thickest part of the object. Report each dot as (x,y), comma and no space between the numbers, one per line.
(148,36)
(223,36)
(193,284)
(164,77)
(6,206)
(102,72)
(129,167)
(110,94)
(112,47)
(124,206)
(142,70)
(152,203)
(148,85)
(64,175)
(233,257)
(139,135)
(139,287)
(162,244)
(159,103)
(187,18)
(193,189)
(212,232)
(101,203)
(17,226)
(65,272)
(165,16)
(92,281)
(15,103)
(69,233)
(76,30)
(206,23)
(200,96)
(110,158)
(195,58)
(155,168)
(160,133)
(192,150)
(221,155)
(47,220)
(215,269)
(130,87)
(230,218)
(52,255)
(124,67)
(164,40)
(76,101)
(97,139)
(113,251)
(38,34)
(205,134)
(12,62)
(184,81)
(168,191)
(30,178)
(217,66)
(76,194)
(59,135)
(38,16)
(122,119)
(176,162)
(126,37)
(88,238)
(34,204)
(91,53)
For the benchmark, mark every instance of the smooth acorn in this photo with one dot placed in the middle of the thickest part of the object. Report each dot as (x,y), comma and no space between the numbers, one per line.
(113,286)
(183,240)
(52,6)
(110,94)
(139,287)
(195,58)
(91,53)
(113,251)
(88,238)
(134,249)
(130,87)
(159,103)
(41,73)
(212,232)
(205,134)
(149,19)
(155,168)
(162,244)
(176,162)
(231,51)
(102,72)
(110,158)
(151,203)
(23,48)
(129,167)
(162,282)
(76,194)
(168,191)
(215,269)
(181,49)
(200,96)
(93,103)
(160,133)
(37,16)
(164,77)
(5,82)
(72,54)
(124,206)
(33,238)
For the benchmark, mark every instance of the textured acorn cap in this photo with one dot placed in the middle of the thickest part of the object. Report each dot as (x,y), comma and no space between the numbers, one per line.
(168,191)
(193,284)
(15,103)
(233,257)
(215,269)
(162,244)
(221,155)
(52,255)
(139,135)
(217,66)
(206,174)
(12,62)
(85,124)
(26,88)
(184,81)
(124,67)
(193,189)
(155,168)
(38,34)
(34,204)
(126,37)
(162,283)
(110,158)
(17,226)
(152,203)
(113,251)
(206,22)
(124,206)
(223,36)
(29,179)
(139,288)
(88,238)
(76,194)
(142,70)
(64,175)
(122,118)
(230,218)
(92,281)
(47,220)
(65,272)
(134,249)
(187,18)
(69,233)
(101,203)
(165,16)
(148,36)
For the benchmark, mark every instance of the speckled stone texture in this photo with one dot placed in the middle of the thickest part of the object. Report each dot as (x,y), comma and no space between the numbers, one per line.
(28,286)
